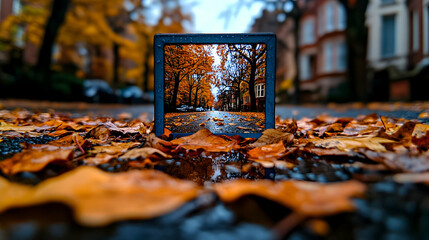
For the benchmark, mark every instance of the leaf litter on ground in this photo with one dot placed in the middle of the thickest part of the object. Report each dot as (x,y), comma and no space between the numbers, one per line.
(129,148)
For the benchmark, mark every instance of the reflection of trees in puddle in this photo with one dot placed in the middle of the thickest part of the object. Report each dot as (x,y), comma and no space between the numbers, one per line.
(205,168)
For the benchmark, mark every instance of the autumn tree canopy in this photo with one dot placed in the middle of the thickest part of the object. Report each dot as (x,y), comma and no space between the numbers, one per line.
(190,69)
(241,65)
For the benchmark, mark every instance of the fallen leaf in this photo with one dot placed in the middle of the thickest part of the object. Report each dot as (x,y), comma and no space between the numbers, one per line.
(22,129)
(115,148)
(268,152)
(98,159)
(271,136)
(167,132)
(204,139)
(143,153)
(420,136)
(424,115)
(350,143)
(308,198)
(155,142)
(100,132)
(33,160)
(99,198)
(288,127)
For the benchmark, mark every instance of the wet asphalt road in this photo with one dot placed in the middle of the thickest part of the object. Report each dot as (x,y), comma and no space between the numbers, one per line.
(215,121)
(78,109)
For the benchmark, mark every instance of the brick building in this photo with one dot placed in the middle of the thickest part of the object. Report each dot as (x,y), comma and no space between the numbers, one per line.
(322,49)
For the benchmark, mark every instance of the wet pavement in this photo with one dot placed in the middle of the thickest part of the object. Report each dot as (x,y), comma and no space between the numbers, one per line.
(215,121)
(77,109)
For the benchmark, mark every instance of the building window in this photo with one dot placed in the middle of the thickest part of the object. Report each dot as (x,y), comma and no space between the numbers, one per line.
(260,90)
(304,67)
(342,17)
(308,32)
(329,17)
(416,33)
(342,56)
(388,35)
(327,51)
(387,1)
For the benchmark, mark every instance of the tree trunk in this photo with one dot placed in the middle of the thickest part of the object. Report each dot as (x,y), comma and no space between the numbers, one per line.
(190,96)
(115,65)
(176,89)
(146,64)
(196,97)
(55,20)
(356,39)
(252,87)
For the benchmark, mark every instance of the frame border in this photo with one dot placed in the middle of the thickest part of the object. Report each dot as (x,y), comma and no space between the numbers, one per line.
(160,40)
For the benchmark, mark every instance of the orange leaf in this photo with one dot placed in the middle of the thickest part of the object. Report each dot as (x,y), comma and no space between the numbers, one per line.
(33,160)
(308,198)
(99,198)
(204,139)
(268,152)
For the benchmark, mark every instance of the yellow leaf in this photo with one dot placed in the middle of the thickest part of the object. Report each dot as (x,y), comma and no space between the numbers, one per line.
(349,143)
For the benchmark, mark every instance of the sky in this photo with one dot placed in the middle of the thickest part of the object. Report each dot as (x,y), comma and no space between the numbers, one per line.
(208,15)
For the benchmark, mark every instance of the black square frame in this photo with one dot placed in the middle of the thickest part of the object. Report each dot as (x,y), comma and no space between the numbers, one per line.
(160,40)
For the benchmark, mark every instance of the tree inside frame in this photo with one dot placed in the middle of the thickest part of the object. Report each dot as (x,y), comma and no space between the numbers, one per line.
(214,81)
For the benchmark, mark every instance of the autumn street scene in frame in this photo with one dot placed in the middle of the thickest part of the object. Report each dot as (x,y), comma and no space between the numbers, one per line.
(220,87)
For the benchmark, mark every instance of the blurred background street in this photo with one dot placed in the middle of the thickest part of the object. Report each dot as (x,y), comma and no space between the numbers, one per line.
(331,51)
(418,111)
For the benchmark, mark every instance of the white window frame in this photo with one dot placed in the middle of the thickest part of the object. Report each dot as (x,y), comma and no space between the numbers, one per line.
(260,90)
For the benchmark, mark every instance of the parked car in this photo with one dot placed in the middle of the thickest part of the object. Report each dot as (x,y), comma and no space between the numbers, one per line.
(199,109)
(131,94)
(182,108)
(98,90)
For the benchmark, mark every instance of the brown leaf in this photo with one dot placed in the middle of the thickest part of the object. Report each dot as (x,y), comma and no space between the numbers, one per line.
(100,132)
(308,198)
(420,136)
(271,136)
(33,160)
(349,143)
(268,152)
(22,129)
(99,198)
(143,153)
(155,142)
(287,127)
(115,148)
(204,139)
(98,159)
(402,134)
